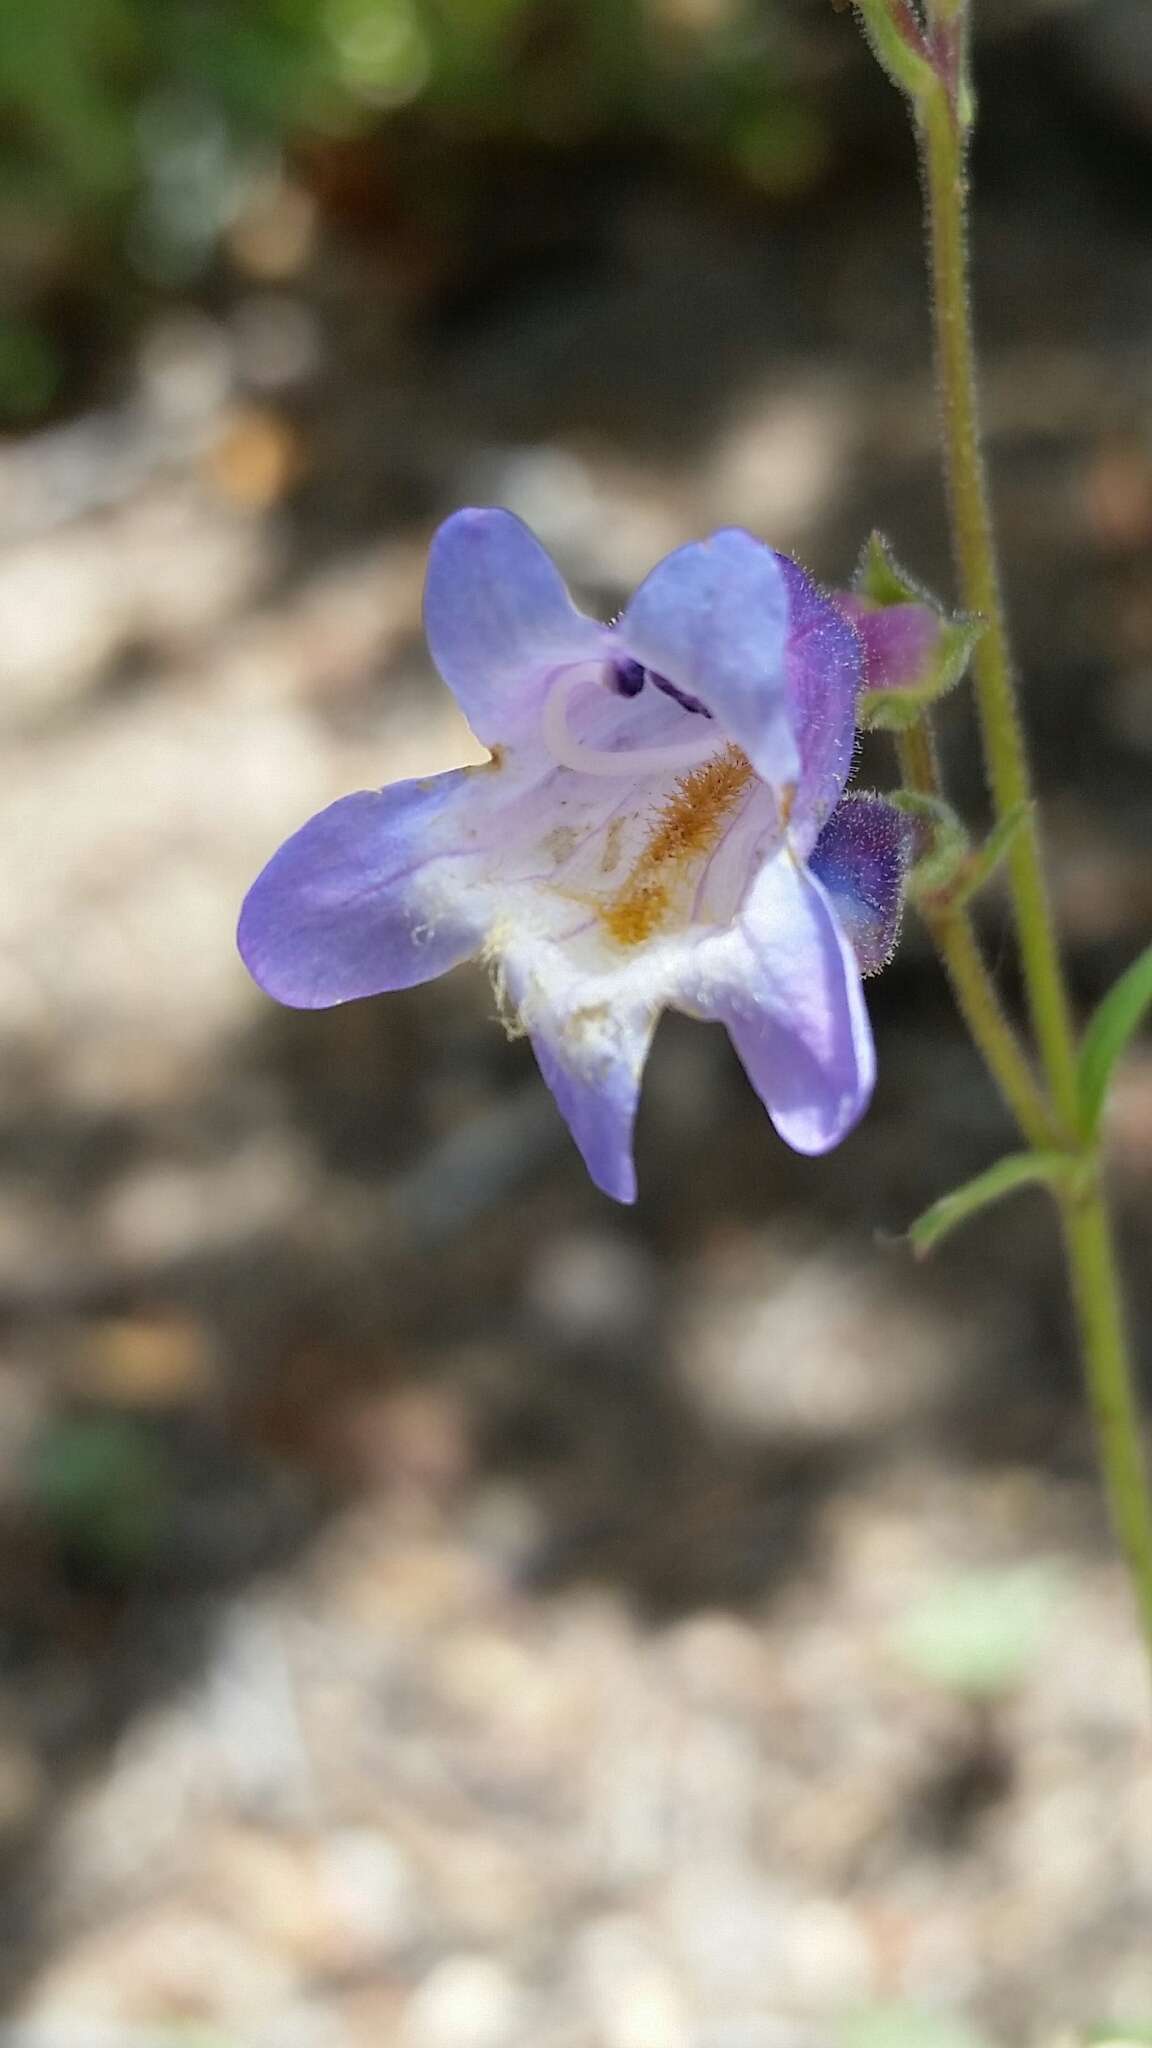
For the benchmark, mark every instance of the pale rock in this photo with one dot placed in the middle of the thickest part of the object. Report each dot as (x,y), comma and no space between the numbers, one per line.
(783,457)
(170,1963)
(370,1891)
(633,1994)
(466,2001)
(592,1287)
(810,1344)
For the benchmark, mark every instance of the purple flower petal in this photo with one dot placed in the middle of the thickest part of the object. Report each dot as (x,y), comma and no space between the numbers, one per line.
(344,908)
(861,857)
(825,661)
(592,1058)
(786,984)
(600,1112)
(499,621)
(713,618)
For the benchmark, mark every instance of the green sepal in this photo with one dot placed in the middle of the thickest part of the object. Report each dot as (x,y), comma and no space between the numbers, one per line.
(1113,1024)
(1017,1170)
(935,871)
(950,871)
(896,710)
(889,710)
(882,580)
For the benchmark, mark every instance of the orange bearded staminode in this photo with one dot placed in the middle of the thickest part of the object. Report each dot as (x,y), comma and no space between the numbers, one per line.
(686,828)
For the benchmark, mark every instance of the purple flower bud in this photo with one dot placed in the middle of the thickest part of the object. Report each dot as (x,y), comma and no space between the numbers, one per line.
(899,641)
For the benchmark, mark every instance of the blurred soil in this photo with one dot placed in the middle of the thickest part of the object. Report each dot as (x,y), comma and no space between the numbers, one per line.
(436,1608)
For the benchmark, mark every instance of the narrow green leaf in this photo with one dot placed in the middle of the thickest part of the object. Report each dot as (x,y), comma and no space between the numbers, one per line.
(1018,1170)
(1114,1023)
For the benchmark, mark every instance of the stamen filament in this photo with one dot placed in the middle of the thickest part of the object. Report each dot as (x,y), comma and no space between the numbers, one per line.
(569,752)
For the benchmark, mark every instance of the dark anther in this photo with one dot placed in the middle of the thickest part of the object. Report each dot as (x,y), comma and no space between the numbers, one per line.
(629,678)
(681,697)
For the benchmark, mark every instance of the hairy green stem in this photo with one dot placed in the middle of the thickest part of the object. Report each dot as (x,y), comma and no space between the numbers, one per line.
(1100,1315)
(977,997)
(1087,1225)
(943,149)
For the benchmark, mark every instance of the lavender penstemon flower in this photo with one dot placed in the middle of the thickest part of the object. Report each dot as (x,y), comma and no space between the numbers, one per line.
(662,824)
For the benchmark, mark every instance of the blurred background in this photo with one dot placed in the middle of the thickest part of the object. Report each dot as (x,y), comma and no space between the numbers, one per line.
(436,1607)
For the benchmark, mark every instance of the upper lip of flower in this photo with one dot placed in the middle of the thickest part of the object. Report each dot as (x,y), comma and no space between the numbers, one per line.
(627,853)
(618,762)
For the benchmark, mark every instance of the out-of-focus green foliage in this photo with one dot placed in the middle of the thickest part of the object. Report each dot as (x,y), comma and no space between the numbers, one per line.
(131,130)
(29,371)
(64,132)
(979,1632)
(908,2026)
(93,92)
(100,1483)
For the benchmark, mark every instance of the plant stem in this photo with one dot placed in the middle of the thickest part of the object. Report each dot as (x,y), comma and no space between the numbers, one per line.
(976,994)
(1103,1339)
(943,150)
(1087,1225)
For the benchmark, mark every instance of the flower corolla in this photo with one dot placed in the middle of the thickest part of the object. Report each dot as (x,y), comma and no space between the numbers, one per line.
(662,823)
